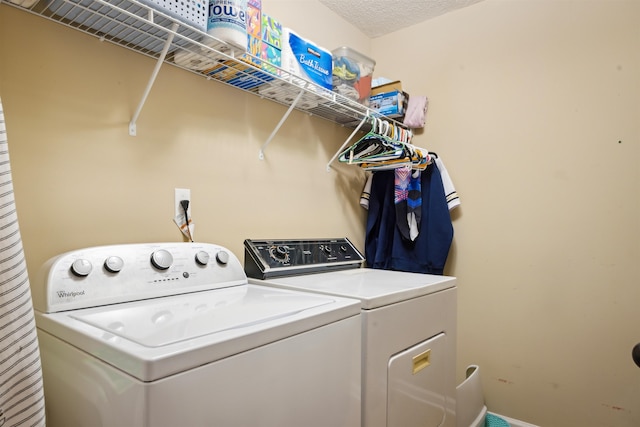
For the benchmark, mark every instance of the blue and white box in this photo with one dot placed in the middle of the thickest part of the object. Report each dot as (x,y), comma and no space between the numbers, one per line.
(303,58)
(391,104)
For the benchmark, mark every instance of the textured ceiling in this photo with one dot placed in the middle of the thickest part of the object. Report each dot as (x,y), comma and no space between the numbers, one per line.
(376,18)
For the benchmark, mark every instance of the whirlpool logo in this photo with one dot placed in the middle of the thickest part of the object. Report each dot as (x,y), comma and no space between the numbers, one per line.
(72,294)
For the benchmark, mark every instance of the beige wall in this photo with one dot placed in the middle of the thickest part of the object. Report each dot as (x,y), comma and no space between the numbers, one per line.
(81,180)
(534,107)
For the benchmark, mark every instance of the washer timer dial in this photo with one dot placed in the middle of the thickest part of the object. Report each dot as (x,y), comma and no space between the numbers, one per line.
(161,259)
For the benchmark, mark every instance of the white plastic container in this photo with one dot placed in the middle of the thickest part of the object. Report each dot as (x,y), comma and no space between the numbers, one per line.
(118,26)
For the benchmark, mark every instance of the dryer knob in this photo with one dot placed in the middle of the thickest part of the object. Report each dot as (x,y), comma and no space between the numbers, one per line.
(161,259)
(282,252)
(81,267)
(202,258)
(222,257)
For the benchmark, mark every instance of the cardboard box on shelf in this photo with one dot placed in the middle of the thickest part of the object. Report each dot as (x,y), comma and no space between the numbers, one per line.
(387,87)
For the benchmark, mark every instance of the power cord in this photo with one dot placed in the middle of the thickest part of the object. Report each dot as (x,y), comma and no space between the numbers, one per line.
(185,207)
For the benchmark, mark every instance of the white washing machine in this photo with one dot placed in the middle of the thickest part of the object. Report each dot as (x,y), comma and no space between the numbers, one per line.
(171,334)
(408,325)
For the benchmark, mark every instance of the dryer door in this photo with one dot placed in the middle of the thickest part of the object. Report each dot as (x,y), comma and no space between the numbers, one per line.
(416,385)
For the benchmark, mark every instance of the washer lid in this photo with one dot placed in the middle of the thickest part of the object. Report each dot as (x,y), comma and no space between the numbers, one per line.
(373,287)
(154,338)
(172,320)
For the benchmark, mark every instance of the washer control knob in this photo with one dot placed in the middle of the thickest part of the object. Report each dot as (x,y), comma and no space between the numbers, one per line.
(113,264)
(161,259)
(327,249)
(222,257)
(81,267)
(202,258)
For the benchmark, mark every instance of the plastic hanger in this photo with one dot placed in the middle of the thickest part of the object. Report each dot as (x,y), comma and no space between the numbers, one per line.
(373,146)
(386,146)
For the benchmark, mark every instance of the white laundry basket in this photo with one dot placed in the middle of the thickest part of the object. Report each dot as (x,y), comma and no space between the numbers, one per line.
(470,408)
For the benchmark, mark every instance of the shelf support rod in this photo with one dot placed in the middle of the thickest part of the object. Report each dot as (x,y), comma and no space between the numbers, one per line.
(156,70)
(282,120)
(364,119)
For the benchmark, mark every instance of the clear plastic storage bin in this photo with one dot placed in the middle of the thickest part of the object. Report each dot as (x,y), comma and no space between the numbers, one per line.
(352,74)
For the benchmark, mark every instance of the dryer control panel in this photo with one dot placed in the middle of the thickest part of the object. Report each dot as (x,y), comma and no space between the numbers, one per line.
(278,258)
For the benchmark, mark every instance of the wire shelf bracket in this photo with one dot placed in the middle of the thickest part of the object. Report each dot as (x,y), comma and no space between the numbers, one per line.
(280,123)
(152,79)
(344,144)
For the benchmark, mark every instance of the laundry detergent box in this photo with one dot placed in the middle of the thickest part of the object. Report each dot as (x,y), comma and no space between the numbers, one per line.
(305,59)
(271,31)
(254,50)
(270,44)
(271,58)
(254,19)
(352,74)
(254,32)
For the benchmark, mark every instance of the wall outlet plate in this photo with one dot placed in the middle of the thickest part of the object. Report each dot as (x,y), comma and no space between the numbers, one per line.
(182,194)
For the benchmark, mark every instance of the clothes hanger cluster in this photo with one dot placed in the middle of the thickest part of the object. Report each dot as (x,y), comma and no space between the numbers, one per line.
(386,146)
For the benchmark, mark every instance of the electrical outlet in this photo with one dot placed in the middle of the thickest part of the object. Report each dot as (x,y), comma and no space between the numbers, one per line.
(182,194)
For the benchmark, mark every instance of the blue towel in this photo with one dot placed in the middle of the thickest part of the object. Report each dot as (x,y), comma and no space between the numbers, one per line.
(495,421)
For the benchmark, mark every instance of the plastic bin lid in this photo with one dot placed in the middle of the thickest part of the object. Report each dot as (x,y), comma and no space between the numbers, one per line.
(347,51)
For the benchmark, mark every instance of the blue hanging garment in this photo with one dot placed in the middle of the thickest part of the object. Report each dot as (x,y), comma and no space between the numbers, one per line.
(387,248)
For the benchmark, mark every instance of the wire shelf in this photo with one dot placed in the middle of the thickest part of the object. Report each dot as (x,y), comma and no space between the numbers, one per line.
(146,30)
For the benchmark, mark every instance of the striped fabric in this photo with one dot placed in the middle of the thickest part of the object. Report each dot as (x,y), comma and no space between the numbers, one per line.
(21,393)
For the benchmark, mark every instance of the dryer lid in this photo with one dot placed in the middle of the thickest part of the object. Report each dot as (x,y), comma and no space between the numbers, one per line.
(373,287)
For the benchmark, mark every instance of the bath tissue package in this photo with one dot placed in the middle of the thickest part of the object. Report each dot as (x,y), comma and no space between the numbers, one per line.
(195,60)
(281,91)
(303,58)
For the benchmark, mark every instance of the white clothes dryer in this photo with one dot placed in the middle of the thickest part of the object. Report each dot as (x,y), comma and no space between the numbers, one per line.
(408,325)
(171,334)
